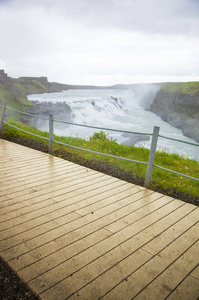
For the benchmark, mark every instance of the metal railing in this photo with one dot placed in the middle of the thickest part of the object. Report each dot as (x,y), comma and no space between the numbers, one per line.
(150,164)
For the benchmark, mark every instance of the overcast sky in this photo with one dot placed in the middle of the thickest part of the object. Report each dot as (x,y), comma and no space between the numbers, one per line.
(101,42)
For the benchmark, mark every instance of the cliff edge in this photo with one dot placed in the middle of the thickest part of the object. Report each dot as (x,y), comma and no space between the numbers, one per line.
(178,104)
(14,91)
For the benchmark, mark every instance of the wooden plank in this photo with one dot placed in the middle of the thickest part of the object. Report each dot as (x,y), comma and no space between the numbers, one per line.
(37,197)
(140,239)
(187,289)
(112,201)
(71,232)
(29,172)
(72,200)
(60,231)
(46,184)
(195,272)
(40,184)
(178,228)
(40,174)
(84,226)
(26,222)
(31,205)
(144,276)
(124,268)
(168,280)
(93,261)
(37,183)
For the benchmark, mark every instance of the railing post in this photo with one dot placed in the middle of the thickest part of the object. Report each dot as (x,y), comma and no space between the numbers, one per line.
(51,134)
(2,119)
(151,157)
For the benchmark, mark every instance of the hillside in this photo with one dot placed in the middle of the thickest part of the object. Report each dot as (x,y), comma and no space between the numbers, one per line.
(178,104)
(14,91)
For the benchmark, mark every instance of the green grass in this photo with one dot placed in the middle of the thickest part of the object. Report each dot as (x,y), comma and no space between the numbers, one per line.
(33,87)
(10,100)
(189,88)
(16,102)
(100,142)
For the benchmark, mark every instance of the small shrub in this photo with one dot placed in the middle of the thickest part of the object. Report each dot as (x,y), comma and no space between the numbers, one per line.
(101,136)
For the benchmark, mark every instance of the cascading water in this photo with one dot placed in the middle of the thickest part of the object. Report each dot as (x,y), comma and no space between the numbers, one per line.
(116,109)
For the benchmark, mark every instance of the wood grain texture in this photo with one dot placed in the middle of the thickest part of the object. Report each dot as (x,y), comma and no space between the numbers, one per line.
(72,232)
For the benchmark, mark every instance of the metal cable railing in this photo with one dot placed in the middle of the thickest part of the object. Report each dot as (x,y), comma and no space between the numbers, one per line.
(25,113)
(101,128)
(100,153)
(171,171)
(150,164)
(40,136)
(180,141)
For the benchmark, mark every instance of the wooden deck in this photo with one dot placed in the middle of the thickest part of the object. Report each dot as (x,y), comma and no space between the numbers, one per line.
(71,232)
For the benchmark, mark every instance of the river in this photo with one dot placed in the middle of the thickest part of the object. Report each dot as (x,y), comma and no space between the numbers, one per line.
(116,109)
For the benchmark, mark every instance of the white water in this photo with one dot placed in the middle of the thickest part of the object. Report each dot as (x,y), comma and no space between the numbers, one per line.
(116,109)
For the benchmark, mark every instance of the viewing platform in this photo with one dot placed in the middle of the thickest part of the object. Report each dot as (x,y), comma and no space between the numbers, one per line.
(70,232)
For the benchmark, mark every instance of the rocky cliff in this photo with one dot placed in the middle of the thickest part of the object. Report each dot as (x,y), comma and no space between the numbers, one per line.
(178,104)
(4,77)
(32,84)
(14,91)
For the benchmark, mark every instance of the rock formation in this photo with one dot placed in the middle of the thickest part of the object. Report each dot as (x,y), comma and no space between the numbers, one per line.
(14,93)
(4,77)
(178,104)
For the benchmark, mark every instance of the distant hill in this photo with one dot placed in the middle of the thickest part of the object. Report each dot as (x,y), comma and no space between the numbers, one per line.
(178,104)
(14,91)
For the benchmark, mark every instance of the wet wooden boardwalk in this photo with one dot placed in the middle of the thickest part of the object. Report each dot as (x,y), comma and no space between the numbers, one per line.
(71,232)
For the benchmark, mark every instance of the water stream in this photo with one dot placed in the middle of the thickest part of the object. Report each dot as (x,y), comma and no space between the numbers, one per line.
(116,109)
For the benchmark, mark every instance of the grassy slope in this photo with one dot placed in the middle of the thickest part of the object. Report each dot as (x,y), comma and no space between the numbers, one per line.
(33,88)
(14,91)
(17,102)
(161,179)
(189,88)
(14,94)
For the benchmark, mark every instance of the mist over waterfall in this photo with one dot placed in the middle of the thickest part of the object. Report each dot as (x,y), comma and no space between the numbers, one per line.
(122,109)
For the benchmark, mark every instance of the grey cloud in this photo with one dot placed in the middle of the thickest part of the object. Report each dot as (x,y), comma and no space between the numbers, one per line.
(152,16)
(74,37)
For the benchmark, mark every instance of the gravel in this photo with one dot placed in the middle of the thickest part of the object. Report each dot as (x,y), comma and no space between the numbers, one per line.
(11,287)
